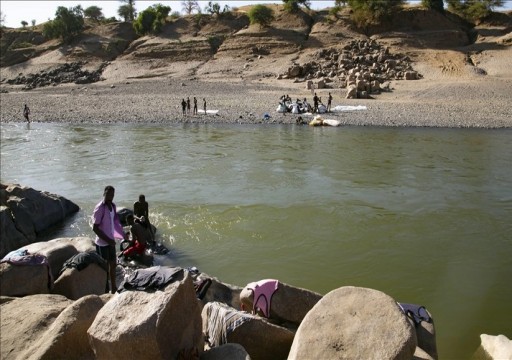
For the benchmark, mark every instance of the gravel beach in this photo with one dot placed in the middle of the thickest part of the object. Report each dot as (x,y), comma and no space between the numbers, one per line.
(438,99)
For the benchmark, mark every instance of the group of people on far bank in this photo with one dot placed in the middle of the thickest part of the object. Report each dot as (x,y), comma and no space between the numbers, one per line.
(108,228)
(185,106)
(286,104)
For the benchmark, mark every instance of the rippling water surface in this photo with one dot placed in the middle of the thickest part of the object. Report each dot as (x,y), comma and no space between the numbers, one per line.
(423,215)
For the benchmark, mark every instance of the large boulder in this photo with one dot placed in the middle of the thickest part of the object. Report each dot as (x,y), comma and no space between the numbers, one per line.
(218,291)
(260,338)
(149,325)
(494,347)
(30,212)
(66,338)
(354,323)
(25,319)
(74,284)
(287,304)
(22,280)
(58,251)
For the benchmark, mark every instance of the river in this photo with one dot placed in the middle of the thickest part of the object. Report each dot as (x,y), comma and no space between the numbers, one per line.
(422,214)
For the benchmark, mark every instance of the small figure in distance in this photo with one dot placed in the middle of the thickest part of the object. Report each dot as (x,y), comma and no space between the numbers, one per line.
(315,103)
(329,102)
(107,227)
(195,105)
(188,105)
(141,213)
(204,105)
(26,112)
(184,106)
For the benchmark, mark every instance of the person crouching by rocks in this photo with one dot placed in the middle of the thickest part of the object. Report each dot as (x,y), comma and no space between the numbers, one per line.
(107,227)
(139,239)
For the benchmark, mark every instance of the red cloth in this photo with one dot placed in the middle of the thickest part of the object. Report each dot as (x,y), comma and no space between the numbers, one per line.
(137,249)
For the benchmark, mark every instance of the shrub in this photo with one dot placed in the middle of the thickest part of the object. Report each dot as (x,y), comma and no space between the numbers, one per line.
(67,24)
(260,14)
(151,20)
(294,5)
(94,13)
(473,10)
(366,12)
(433,4)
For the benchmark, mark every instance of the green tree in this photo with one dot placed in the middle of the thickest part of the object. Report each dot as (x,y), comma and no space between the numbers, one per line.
(127,11)
(214,9)
(473,10)
(67,24)
(294,5)
(24,23)
(33,22)
(151,20)
(188,6)
(94,13)
(433,4)
(260,14)
(366,12)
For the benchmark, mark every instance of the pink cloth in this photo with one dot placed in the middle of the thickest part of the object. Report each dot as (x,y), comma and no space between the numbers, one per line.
(263,291)
(101,216)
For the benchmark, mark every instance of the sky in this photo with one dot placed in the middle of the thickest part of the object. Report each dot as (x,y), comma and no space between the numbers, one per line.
(16,11)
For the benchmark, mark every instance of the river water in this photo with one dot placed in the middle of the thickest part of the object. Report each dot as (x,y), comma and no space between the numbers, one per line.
(421,214)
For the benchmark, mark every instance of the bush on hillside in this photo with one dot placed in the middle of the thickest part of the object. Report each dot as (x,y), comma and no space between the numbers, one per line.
(366,12)
(473,10)
(151,20)
(261,15)
(67,24)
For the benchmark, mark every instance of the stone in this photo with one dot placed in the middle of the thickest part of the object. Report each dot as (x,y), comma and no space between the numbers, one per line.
(354,323)
(496,347)
(23,280)
(32,212)
(25,319)
(75,284)
(260,338)
(288,303)
(149,325)
(66,338)
(218,291)
(227,351)
(58,251)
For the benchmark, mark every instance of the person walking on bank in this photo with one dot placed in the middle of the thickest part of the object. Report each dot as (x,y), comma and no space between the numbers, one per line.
(26,112)
(195,106)
(329,102)
(188,105)
(184,106)
(315,103)
(204,105)
(107,227)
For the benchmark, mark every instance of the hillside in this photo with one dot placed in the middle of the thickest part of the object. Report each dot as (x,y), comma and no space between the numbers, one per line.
(229,48)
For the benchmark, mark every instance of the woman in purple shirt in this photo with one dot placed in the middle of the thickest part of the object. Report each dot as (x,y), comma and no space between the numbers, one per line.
(107,228)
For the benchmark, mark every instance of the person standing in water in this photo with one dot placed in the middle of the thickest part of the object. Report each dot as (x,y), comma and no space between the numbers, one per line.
(107,227)
(141,213)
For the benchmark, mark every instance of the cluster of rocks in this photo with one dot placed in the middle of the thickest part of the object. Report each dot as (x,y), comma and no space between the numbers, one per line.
(71,317)
(66,73)
(361,66)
